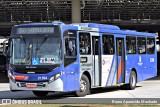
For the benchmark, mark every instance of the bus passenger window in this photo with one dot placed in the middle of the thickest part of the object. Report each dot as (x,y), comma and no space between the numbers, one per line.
(70,47)
(150,45)
(85,43)
(130,44)
(141,44)
(108,44)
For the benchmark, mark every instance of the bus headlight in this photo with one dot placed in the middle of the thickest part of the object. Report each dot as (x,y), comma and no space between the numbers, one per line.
(11,77)
(55,77)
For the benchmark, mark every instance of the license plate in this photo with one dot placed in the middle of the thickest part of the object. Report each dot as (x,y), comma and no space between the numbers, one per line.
(31,85)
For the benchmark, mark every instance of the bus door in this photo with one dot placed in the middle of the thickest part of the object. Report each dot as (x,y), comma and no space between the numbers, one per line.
(96,60)
(120,53)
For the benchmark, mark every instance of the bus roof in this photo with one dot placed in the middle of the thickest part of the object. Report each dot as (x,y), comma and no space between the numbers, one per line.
(95,25)
(36,24)
(111,29)
(43,24)
(126,32)
(103,28)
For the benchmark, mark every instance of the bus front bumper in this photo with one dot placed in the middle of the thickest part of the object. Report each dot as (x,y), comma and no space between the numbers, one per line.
(56,85)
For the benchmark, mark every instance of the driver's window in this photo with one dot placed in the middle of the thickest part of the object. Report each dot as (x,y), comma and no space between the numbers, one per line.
(70,47)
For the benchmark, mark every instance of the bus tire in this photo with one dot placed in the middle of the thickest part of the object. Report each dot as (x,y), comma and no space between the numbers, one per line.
(40,93)
(84,87)
(132,81)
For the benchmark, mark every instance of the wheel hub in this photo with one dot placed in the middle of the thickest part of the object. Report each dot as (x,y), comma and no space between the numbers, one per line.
(133,81)
(82,85)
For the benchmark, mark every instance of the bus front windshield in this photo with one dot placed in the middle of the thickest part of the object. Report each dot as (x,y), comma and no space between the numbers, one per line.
(36,51)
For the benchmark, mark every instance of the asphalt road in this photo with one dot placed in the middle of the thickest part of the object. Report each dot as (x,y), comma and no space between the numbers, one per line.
(145,89)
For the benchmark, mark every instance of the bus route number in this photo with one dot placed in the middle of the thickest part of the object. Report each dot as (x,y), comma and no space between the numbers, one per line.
(42,78)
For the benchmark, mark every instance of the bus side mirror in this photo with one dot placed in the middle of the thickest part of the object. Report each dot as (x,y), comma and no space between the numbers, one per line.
(5,51)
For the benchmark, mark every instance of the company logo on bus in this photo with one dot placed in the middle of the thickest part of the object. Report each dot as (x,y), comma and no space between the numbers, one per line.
(106,62)
(151,59)
(26,78)
(103,62)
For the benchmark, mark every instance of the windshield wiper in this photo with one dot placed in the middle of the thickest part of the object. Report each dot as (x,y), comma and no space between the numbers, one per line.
(41,44)
(28,59)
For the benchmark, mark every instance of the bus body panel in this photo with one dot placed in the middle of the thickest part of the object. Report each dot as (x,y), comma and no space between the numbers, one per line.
(72,77)
(109,60)
(72,70)
(57,85)
(41,79)
(132,64)
(107,69)
(143,72)
(88,65)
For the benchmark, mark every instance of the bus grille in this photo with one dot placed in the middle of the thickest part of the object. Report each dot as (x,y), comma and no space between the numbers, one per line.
(39,85)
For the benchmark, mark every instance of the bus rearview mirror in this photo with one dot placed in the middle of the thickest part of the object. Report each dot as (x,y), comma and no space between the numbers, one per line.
(5,48)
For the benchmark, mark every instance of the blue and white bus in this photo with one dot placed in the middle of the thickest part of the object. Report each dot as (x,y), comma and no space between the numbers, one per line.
(46,57)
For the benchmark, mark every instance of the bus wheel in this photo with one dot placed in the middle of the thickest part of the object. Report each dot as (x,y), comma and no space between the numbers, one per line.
(132,81)
(84,87)
(40,93)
